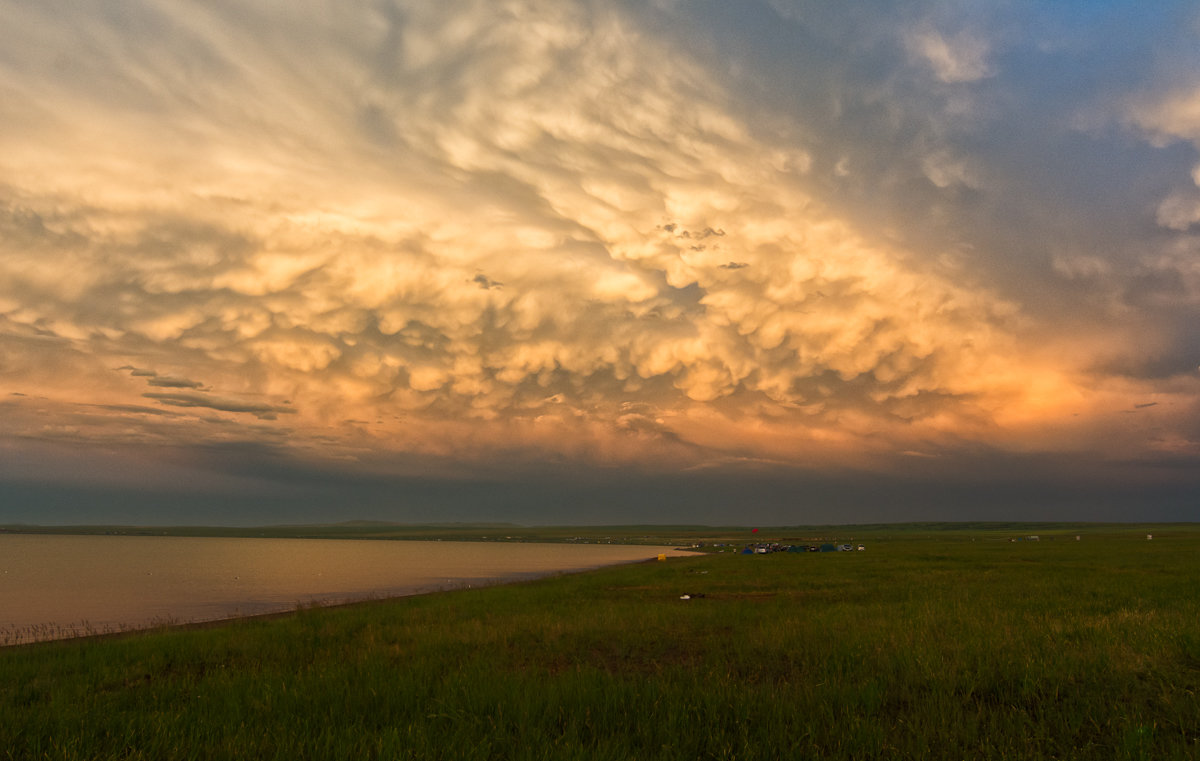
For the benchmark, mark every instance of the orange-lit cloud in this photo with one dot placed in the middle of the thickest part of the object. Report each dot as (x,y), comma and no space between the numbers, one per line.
(585,232)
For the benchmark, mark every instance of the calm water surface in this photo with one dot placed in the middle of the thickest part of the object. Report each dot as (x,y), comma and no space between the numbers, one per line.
(59,586)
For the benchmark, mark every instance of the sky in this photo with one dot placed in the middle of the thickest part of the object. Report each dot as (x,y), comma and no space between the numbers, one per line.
(564,261)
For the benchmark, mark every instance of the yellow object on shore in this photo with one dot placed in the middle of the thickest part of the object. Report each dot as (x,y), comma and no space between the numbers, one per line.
(661,557)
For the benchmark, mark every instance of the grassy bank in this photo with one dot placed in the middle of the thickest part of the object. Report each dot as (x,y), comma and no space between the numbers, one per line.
(923,648)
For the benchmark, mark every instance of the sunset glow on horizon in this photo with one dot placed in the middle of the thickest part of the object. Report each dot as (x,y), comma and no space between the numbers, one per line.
(274,248)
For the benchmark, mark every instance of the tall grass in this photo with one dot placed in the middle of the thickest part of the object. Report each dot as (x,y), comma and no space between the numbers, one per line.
(913,649)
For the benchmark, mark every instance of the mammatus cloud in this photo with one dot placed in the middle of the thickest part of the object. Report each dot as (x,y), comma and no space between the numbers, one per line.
(589,232)
(960,58)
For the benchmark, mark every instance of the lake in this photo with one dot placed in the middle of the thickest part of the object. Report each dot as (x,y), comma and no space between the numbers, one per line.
(62,586)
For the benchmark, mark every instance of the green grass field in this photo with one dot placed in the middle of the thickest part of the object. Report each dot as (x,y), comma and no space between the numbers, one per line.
(928,645)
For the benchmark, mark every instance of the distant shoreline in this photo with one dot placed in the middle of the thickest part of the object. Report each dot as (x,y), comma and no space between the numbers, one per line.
(648,534)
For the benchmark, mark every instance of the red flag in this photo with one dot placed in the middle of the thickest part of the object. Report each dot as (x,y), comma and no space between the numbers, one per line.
(753,531)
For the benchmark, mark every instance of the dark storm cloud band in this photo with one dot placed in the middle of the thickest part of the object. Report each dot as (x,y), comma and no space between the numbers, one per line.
(261,411)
